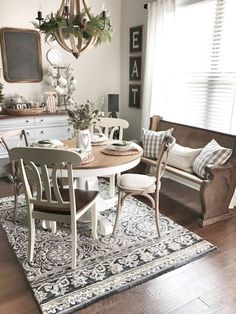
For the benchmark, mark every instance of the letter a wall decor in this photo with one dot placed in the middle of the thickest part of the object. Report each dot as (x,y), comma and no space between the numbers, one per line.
(135,66)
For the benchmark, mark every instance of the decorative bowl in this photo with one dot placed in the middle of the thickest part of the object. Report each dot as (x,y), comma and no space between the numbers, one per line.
(120,145)
(48,143)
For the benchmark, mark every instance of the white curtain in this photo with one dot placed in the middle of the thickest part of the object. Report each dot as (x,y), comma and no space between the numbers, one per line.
(158,60)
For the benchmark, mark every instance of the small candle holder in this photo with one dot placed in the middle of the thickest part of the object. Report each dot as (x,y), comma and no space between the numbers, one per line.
(103,16)
(40,18)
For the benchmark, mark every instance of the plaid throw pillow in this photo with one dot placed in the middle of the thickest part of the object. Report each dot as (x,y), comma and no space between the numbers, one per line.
(152,141)
(213,154)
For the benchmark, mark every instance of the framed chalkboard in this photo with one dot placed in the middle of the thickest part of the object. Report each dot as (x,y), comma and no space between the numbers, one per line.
(21,55)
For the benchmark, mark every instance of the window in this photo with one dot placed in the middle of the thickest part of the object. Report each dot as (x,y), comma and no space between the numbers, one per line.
(202,85)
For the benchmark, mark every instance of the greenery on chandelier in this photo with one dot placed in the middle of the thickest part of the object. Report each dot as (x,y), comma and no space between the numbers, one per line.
(80,26)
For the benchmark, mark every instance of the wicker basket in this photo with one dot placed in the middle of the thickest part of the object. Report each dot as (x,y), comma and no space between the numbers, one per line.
(24,112)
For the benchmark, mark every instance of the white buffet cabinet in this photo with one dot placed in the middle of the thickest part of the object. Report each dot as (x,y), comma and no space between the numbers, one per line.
(42,126)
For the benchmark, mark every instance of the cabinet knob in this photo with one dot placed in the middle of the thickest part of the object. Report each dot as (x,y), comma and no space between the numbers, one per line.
(42,132)
(27,121)
(41,120)
(68,130)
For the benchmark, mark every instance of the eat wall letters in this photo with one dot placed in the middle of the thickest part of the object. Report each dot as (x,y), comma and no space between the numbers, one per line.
(135,66)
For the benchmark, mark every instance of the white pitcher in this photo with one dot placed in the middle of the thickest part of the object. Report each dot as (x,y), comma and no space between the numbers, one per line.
(83,139)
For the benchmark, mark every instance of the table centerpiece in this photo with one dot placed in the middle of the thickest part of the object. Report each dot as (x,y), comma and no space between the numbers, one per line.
(82,117)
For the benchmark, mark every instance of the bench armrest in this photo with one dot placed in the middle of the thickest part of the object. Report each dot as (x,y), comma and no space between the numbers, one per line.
(216,169)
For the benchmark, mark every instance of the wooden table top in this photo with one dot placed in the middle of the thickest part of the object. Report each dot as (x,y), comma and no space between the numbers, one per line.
(102,160)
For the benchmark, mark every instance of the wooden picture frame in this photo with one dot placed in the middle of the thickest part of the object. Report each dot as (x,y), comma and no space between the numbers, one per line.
(21,55)
(135,95)
(136,39)
(135,68)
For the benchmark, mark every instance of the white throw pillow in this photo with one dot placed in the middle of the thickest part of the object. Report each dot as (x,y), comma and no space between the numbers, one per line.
(152,140)
(182,157)
(211,154)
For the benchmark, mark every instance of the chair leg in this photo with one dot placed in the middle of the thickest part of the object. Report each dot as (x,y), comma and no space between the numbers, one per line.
(53,226)
(16,200)
(157,216)
(15,208)
(31,239)
(112,185)
(94,221)
(74,243)
(118,212)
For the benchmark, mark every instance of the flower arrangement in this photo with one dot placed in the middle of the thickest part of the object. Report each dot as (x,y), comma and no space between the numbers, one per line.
(83,116)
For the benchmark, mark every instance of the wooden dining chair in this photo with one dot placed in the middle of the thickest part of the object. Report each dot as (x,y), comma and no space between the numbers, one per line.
(50,202)
(112,128)
(147,186)
(9,139)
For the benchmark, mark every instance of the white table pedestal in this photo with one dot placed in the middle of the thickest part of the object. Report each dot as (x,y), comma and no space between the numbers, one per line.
(91,183)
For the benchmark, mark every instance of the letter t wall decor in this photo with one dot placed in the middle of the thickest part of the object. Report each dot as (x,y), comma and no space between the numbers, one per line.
(135,66)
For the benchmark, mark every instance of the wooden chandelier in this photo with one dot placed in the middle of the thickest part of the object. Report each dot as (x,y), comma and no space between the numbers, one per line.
(74,27)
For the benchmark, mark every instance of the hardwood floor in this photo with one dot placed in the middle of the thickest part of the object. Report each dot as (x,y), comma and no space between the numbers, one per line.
(207,285)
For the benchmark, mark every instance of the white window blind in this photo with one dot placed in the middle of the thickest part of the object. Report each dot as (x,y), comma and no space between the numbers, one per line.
(202,87)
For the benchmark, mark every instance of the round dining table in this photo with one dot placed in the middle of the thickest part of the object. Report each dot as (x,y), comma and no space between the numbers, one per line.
(99,165)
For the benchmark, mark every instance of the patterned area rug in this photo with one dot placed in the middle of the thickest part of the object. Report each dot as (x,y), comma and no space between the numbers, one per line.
(104,266)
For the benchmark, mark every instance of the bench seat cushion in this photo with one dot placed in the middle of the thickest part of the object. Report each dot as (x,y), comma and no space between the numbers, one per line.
(186,175)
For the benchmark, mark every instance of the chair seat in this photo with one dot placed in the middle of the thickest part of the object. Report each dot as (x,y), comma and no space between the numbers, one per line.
(136,181)
(82,199)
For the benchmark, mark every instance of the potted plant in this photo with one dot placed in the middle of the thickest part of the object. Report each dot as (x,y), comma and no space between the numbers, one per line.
(82,117)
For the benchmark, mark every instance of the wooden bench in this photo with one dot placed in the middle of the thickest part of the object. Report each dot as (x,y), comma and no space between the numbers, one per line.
(215,192)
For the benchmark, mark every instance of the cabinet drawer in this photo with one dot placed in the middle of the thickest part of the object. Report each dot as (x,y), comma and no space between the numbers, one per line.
(57,132)
(30,133)
(51,120)
(16,122)
(12,142)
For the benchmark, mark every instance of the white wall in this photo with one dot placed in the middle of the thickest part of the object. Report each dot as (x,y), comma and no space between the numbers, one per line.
(96,70)
(99,71)
(133,14)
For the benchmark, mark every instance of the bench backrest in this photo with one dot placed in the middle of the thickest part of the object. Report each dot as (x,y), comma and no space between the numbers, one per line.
(194,137)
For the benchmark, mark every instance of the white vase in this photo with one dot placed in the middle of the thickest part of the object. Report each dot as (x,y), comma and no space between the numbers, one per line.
(83,139)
